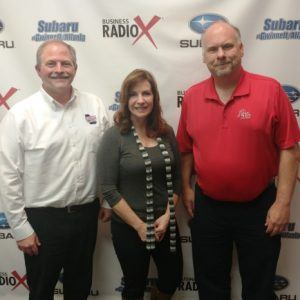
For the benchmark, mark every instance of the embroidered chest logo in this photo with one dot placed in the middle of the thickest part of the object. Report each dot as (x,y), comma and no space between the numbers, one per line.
(244,115)
(92,119)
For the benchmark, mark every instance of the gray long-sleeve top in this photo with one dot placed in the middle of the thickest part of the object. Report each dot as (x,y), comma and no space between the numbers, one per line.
(122,172)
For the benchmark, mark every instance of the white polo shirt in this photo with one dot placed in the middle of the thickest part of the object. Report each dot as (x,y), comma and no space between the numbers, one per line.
(48,154)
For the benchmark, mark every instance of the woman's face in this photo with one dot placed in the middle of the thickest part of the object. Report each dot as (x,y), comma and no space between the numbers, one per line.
(140,102)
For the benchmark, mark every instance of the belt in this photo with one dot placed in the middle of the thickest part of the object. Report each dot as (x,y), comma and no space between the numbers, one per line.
(67,209)
(76,208)
(79,207)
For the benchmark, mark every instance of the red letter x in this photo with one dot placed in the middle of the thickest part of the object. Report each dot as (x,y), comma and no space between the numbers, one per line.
(7,96)
(145,29)
(20,279)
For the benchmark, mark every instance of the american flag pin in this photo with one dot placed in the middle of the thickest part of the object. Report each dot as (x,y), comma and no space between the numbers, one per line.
(90,119)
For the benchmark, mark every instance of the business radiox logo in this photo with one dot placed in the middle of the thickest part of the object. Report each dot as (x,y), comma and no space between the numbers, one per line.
(65,31)
(197,25)
(180,95)
(134,29)
(5,44)
(188,284)
(279,29)
(13,280)
(3,99)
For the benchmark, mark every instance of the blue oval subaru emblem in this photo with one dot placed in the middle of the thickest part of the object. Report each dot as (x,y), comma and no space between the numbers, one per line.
(3,221)
(292,92)
(280,283)
(117,96)
(201,22)
(1,26)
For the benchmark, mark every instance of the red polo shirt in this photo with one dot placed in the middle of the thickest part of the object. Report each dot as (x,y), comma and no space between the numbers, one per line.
(236,146)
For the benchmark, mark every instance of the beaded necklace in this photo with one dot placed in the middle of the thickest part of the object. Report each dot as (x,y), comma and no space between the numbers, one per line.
(150,236)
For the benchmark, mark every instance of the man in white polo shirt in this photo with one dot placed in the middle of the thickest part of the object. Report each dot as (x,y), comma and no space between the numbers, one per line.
(48,154)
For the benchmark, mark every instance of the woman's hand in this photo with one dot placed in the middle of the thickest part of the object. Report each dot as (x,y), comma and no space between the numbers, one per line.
(142,231)
(161,226)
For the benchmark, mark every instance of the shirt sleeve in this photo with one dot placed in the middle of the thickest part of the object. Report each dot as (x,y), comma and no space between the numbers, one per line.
(11,174)
(287,132)
(105,121)
(184,140)
(109,163)
(177,173)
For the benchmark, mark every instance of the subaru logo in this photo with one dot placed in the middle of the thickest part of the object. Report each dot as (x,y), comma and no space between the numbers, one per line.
(114,107)
(280,283)
(1,26)
(3,221)
(117,96)
(202,22)
(292,92)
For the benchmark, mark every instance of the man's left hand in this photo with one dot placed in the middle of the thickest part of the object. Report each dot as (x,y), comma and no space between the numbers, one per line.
(277,218)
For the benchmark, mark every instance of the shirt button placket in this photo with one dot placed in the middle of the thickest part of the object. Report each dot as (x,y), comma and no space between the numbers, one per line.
(224,119)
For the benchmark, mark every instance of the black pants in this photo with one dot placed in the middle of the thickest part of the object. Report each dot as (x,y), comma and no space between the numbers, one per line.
(215,227)
(68,242)
(134,259)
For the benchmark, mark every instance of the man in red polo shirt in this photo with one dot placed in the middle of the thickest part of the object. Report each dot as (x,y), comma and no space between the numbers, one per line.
(237,131)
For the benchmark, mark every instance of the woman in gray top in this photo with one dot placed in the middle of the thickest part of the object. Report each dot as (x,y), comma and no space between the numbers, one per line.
(140,179)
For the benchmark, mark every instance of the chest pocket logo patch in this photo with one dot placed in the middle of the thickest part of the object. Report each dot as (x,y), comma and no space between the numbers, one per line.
(244,115)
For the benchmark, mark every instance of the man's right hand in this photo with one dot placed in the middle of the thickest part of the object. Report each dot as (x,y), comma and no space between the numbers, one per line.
(105,214)
(29,245)
(188,199)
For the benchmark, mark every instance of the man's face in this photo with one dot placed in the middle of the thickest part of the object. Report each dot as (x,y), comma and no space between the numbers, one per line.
(56,68)
(222,50)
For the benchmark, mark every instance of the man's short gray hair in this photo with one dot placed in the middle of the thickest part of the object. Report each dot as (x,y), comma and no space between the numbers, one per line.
(237,31)
(41,48)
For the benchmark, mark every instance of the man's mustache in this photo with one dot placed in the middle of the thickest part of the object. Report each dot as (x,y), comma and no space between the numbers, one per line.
(59,75)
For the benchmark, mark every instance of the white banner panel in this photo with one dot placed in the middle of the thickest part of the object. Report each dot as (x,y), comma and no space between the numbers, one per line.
(114,37)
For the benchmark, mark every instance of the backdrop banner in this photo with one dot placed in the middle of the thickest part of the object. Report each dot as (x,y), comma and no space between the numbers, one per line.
(111,39)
